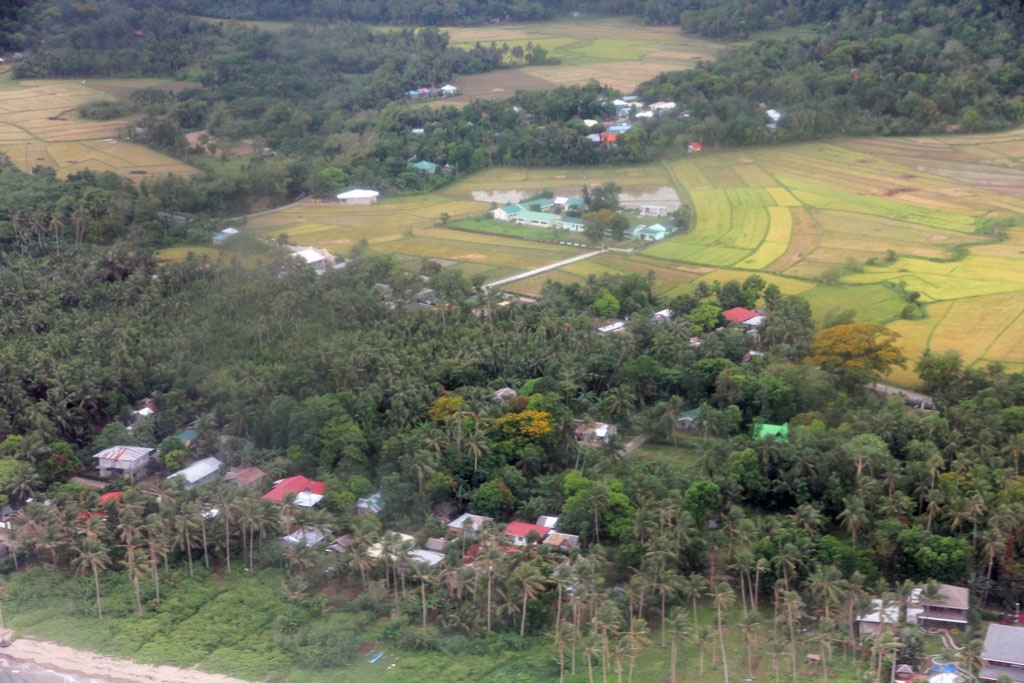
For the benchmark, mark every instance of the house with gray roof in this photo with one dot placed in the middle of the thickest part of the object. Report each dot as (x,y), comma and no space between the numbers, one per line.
(573,224)
(126,461)
(199,472)
(1003,653)
(948,608)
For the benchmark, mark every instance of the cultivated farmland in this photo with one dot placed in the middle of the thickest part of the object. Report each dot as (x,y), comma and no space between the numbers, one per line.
(615,52)
(807,218)
(39,126)
(807,215)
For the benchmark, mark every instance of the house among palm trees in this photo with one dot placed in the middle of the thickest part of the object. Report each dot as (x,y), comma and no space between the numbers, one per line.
(244,478)
(199,472)
(944,607)
(1003,654)
(881,618)
(518,533)
(467,525)
(299,490)
(935,605)
(593,433)
(308,536)
(125,461)
(556,539)
(370,505)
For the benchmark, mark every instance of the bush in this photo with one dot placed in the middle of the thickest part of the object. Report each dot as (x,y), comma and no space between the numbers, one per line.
(104,110)
(325,646)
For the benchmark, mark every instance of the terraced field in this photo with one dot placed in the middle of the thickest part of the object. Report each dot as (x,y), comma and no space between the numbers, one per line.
(39,125)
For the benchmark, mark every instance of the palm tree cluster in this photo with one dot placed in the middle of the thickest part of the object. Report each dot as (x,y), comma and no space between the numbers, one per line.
(142,533)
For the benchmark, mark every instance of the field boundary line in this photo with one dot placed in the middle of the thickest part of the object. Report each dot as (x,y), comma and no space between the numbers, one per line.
(939,322)
(996,338)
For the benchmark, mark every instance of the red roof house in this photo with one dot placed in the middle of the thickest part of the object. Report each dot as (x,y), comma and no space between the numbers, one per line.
(518,531)
(113,495)
(307,492)
(694,147)
(744,316)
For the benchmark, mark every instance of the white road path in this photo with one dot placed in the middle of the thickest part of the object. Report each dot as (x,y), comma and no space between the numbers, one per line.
(544,269)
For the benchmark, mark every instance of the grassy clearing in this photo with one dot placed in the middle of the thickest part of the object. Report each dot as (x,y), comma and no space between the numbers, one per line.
(872,303)
(496,227)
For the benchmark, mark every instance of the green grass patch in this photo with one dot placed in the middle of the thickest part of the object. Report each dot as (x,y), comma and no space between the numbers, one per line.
(872,303)
(496,227)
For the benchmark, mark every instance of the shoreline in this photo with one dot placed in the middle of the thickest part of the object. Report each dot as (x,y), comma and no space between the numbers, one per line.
(87,664)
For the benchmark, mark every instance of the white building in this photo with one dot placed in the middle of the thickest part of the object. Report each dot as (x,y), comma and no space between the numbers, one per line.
(359,197)
(199,472)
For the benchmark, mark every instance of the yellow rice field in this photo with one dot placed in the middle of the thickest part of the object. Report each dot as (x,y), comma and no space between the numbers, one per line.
(39,125)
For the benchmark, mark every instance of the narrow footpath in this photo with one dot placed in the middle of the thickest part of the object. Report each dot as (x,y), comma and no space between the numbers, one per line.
(544,269)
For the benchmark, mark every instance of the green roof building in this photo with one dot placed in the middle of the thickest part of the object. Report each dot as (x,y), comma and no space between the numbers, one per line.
(425,166)
(763,431)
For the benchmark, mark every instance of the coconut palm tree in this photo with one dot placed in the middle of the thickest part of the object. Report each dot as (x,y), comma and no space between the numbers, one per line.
(854,516)
(679,632)
(91,555)
(826,584)
(694,587)
(725,598)
(702,639)
(224,496)
(531,581)
(155,531)
(185,523)
(427,576)
(133,562)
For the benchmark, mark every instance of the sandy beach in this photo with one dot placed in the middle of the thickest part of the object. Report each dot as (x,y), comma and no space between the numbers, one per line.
(89,664)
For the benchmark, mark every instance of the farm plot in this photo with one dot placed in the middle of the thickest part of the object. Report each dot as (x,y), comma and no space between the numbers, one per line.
(776,242)
(492,255)
(731,223)
(501,183)
(849,201)
(39,125)
(336,228)
(872,303)
(972,277)
(973,325)
(616,52)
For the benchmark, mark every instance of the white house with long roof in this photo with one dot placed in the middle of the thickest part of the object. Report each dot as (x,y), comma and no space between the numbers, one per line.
(199,472)
(359,197)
